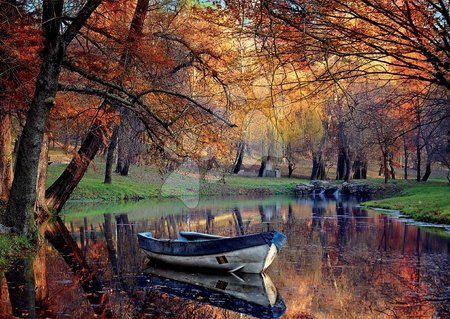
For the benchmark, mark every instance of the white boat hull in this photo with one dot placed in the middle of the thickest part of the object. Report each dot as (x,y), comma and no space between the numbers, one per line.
(249,260)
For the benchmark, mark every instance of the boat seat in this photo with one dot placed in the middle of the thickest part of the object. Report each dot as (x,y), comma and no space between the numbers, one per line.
(194,236)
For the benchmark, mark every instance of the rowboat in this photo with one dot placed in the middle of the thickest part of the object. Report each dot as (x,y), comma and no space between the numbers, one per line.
(251,294)
(249,253)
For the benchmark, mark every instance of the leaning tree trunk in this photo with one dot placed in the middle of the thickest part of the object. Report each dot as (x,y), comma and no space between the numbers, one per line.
(427,171)
(58,193)
(240,158)
(110,156)
(6,159)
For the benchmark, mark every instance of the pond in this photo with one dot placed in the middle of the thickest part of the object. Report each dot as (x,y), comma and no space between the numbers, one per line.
(340,261)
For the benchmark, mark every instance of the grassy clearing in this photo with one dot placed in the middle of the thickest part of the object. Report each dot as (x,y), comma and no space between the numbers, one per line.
(12,246)
(429,202)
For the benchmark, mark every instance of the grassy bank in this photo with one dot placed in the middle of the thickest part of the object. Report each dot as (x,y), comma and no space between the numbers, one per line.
(146,182)
(429,202)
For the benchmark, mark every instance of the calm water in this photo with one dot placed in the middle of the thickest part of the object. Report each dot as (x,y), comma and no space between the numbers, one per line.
(340,261)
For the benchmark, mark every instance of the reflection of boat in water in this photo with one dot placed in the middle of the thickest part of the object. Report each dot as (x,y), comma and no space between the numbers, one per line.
(252,294)
(249,253)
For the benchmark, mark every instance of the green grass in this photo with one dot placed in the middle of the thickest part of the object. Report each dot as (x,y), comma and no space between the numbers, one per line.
(145,182)
(238,185)
(12,246)
(429,202)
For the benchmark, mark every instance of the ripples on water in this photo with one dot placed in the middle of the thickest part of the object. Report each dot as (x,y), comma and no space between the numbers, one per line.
(340,261)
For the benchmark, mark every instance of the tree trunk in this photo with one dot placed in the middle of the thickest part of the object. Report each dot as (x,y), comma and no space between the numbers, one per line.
(110,156)
(406,155)
(126,167)
(360,168)
(6,158)
(348,163)
(385,167)
(120,149)
(340,167)
(315,168)
(343,165)
(135,32)
(322,173)
(42,175)
(364,170)
(290,169)
(262,168)
(428,164)
(20,209)
(391,165)
(130,141)
(318,170)
(427,172)
(58,193)
(418,155)
(240,158)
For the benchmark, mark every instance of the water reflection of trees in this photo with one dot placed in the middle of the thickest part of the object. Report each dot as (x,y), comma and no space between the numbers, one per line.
(352,272)
(105,289)
(339,262)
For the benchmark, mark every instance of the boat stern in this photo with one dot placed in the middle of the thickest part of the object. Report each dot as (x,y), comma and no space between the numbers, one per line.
(278,240)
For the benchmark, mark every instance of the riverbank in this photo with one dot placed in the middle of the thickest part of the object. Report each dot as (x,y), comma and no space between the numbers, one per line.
(428,202)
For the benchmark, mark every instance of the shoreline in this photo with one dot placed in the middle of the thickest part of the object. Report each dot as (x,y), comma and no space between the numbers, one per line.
(424,202)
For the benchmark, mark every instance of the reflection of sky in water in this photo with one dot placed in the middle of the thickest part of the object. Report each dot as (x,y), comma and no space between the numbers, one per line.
(340,261)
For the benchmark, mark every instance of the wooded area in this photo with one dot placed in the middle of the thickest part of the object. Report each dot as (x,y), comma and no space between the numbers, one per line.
(341,84)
